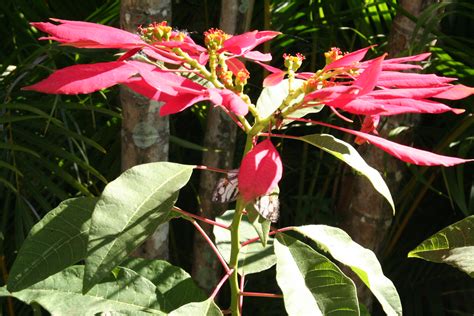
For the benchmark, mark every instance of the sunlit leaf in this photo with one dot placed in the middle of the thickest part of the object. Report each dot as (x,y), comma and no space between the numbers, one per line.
(453,245)
(310,282)
(61,294)
(361,260)
(128,211)
(349,155)
(272,97)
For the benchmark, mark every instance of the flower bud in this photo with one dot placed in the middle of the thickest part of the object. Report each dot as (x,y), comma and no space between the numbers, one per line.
(293,63)
(214,39)
(333,55)
(242,76)
(155,32)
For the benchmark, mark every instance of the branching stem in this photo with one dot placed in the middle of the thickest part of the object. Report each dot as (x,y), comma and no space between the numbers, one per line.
(200,218)
(214,248)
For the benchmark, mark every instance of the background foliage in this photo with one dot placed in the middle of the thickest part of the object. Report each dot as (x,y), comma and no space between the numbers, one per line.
(56,147)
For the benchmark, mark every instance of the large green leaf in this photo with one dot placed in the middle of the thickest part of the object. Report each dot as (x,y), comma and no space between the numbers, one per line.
(349,155)
(272,97)
(56,242)
(361,260)
(253,257)
(453,245)
(206,308)
(174,286)
(311,283)
(61,294)
(128,211)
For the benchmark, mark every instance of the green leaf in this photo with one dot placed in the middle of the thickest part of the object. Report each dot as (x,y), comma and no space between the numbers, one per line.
(206,308)
(453,245)
(174,286)
(61,294)
(311,283)
(259,223)
(303,112)
(56,242)
(349,155)
(253,257)
(128,211)
(272,97)
(361,260)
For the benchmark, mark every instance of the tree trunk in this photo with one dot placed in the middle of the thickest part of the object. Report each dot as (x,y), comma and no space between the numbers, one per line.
(220,140)
(145,134)
(363,212)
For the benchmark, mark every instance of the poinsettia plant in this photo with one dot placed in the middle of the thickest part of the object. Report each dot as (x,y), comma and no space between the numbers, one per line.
(159,63)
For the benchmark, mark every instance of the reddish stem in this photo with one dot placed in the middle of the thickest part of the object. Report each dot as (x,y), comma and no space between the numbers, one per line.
(258,294)
(214,248)
(221,282)
(241,298)
(279,135)
(202,219)
(342,117)
(201,167)
(245,243)
(316,123)
(232,116)
(306,121)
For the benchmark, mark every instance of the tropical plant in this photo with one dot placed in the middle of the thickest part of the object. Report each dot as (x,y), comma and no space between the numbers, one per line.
(104,231)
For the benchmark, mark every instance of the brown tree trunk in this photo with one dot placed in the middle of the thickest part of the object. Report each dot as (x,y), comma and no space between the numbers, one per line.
(145,134)
(220,140)
(363,213)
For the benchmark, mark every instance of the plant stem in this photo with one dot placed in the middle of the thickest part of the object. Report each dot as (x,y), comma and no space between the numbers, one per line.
(234,258)
(221,282)
(214,248)
(241,300)
(257,294)
(235,245)
(200,218)
(273,232)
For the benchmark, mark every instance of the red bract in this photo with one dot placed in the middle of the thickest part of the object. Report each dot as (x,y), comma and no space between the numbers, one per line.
(92,35)
(369,125)
(260,171)
(88,35)
(398,92)
(179,93)
(405,153)
(348,60)
(242,45)
(85,78)
(229,100)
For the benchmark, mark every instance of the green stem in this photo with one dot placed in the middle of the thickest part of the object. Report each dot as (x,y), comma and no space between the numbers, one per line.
(234,258)
(202,70)
(235,245)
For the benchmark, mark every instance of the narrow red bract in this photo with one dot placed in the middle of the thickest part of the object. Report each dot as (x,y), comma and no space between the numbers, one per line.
(85,78)
(260,171)
(405,153)
(88,35)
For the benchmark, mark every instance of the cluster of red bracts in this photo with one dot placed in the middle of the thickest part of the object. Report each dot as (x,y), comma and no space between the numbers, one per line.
(371,88)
